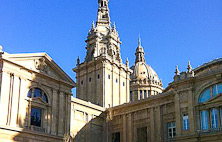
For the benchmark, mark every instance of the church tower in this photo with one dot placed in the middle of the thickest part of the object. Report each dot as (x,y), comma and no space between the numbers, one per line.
(102,78)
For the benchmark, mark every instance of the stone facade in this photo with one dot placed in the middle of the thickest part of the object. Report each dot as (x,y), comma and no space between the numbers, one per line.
(33,87)
(87,121)
(36,102)
(180,105)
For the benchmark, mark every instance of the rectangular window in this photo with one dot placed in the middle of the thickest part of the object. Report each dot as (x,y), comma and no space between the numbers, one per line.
(204,120)
(144,94)
(141,94)
(98,76)
(123,83)
(116,80)
(185,122)
(108,76)
(82,82)
(171,129)
(149,93)
(214,122)
(142,134)
(36,117)
(90,79)
(116,137)
(131,96)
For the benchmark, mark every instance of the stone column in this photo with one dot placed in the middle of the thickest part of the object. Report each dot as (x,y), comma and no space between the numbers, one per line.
(178,114)
(15,102)
(159,124)
(143,94)
(152,126)
(130,128)
(61,114)
(191,112)
(54,112)
(68,117)
(124,129)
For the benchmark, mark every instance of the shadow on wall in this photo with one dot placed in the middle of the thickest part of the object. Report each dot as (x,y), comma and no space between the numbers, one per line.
(34,106)
(96,130)
(37,120)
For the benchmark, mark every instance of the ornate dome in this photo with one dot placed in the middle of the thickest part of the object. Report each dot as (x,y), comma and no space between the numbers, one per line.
(144,80)
(141,71)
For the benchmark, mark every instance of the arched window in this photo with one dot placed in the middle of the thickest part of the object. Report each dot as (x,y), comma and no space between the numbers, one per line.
(37,93)
(205,96)
(210,92)
(37,109)
(210,115)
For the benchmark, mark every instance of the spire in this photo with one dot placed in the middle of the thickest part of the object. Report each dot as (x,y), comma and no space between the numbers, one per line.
(78,61)
(103,18)
(139,40)
(140,52)
(177,72)
(114,29)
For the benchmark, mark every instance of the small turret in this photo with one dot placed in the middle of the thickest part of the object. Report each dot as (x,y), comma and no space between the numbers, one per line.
(140,53)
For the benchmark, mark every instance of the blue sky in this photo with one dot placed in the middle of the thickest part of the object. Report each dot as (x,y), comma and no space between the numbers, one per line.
(173,32)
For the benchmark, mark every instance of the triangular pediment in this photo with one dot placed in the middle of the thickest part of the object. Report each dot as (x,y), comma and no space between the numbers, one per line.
(40,63)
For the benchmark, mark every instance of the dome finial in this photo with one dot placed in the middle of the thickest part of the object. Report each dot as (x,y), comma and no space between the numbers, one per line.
(139,40)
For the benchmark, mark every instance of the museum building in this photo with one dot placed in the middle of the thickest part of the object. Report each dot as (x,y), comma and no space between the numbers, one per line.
(115,102)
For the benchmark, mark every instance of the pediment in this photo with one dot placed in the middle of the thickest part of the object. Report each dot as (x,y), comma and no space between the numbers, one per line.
(42,64)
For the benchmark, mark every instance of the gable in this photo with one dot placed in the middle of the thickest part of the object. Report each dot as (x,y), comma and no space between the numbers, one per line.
(40,63)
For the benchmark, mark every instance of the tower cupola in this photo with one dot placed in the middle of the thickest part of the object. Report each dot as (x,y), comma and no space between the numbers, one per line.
(140,53)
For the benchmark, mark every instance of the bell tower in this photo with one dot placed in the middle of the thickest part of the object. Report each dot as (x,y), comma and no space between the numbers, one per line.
(103,78)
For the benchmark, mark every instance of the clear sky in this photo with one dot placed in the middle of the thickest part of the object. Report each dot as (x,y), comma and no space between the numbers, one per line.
(173,32)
